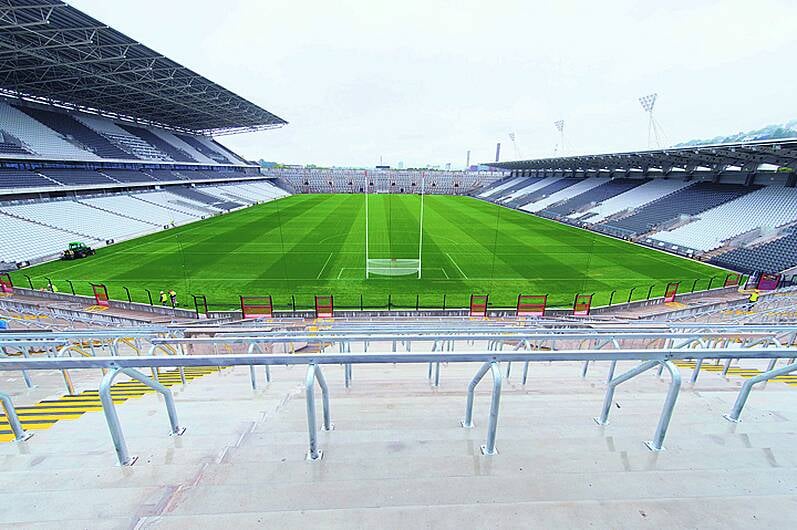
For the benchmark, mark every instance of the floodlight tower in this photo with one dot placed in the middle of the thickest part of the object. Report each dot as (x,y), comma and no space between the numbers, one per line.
(655,131)
(514,145)
(560,126)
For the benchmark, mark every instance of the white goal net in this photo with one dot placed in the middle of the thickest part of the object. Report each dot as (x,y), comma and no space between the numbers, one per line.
(393,267)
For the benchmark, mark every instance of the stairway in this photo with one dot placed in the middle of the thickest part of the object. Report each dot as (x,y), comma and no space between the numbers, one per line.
(398,457)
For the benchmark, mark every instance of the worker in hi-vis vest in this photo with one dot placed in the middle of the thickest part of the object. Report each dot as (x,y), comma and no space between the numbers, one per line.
(164,298)
(753,298)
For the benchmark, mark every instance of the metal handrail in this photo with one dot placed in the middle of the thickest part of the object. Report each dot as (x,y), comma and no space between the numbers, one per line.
(489,358)
(420,337)
(492,367)
(112,417)
(13,420)
(314,374)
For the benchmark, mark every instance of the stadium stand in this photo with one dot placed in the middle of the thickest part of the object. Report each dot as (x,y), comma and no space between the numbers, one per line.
(635,198)
(689,201)
(74,131)
(601,192)
(522,183)
(774,206)
(231,155)
(497,190)
(772,257)
(18,178)
(24,240)
(166,175)
(530,185)
(39,139)
(550,187)
(117,135)
(12,145)
(128,175)
(181,146)
(171,152)
(314,180)
(206,150)
(524,195)
(141,210)
(76,177)
(118,216)
(695,201)
(204,198)
(558,191)
(174,203)
(78,218)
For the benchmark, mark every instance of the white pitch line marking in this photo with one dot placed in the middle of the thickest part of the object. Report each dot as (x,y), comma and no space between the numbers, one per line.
(324,267)
(457,266)
(444,272)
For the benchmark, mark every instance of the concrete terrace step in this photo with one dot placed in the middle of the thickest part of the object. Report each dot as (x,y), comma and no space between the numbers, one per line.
(764,512)
(208,499)
(399,458)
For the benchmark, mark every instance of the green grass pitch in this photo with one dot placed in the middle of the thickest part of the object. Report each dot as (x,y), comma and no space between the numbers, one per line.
(305,245)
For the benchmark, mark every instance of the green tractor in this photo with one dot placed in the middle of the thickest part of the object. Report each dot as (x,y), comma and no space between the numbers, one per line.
(77,250)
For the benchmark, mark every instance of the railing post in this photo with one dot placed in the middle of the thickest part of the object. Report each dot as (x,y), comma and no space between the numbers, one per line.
(252,376)
(313,372)
(744,393)
(656,444)
(129,298)
(13,420)
(609,396)
(71,286)
(468,421)
(112,417)
(113,420)
(612,368)
(489,447)
(669,404)
(149,296)
(25,375)
(630,294)
(696,371)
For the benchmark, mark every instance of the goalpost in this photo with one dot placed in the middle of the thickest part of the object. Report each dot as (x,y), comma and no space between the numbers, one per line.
(394,265)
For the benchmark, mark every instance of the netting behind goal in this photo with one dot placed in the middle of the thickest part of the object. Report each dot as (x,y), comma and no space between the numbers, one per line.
(393,267)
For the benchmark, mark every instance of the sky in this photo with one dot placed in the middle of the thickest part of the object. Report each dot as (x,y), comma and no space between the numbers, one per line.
(424,81)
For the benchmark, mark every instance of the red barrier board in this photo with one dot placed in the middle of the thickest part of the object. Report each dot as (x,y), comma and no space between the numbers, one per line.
(531,305)
(478,305)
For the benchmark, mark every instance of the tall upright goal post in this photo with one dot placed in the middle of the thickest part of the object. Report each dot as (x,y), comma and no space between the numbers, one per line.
(393,265)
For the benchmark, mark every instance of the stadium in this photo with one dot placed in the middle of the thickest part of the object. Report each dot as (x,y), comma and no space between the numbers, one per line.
(168,308)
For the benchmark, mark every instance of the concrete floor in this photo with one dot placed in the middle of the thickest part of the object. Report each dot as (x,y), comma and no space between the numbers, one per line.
(398,457)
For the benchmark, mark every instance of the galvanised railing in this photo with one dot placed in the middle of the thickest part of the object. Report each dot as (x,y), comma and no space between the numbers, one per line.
(490,362)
